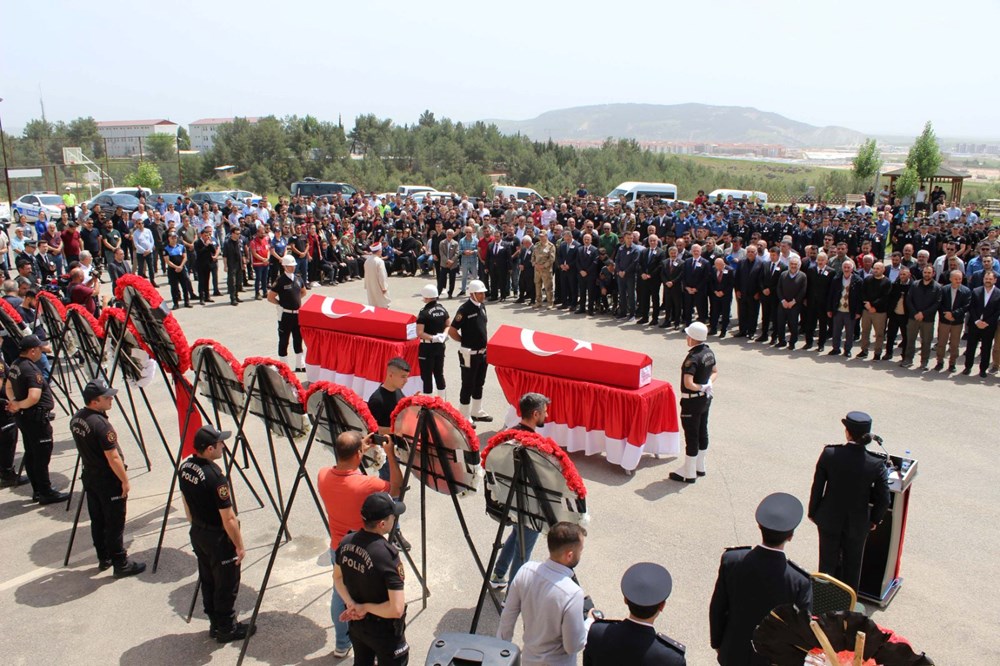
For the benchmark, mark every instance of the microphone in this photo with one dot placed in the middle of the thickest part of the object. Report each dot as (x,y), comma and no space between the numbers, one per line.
(872,437)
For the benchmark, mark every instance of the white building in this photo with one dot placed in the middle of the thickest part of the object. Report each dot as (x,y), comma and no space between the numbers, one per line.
(203,131)
(124,138)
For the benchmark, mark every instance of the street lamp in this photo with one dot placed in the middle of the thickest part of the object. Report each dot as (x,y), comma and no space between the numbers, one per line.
(6,165)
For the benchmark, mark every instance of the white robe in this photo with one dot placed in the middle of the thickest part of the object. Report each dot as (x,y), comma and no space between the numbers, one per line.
(376,279)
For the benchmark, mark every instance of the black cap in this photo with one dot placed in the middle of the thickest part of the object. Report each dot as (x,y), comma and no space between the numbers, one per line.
(646,584)
(381,505)
(207,436)
(97,388)
(858,423)
(779,512)
(30,242)
(29,342)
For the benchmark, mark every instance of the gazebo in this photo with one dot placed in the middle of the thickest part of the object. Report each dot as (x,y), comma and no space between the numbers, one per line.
(944,175)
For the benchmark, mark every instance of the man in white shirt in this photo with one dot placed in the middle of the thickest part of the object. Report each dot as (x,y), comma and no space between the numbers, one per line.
(555,629)
(172,218)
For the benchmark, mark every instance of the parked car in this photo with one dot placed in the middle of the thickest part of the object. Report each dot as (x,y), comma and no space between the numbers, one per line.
(4,211)
(30,205)
(211,198)
(311,187)
(127,190)
(243,195)
(168,198)
(109,202)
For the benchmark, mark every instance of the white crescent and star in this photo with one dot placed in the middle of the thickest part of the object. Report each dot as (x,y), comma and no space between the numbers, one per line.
(327,309)
(528,342)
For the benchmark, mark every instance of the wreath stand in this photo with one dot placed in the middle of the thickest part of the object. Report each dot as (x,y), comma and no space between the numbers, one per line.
(13,327)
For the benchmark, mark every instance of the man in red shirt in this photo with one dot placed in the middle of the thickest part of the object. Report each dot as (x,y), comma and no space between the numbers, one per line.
(344,488)
(71,242)
(260,250)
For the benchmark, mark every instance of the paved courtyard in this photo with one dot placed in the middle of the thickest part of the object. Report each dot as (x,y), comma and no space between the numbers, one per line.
(772,415)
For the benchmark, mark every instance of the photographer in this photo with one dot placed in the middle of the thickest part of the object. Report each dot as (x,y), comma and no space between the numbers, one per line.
(85,293)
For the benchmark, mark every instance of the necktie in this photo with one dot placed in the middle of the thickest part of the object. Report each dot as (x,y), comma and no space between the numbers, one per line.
(720,276)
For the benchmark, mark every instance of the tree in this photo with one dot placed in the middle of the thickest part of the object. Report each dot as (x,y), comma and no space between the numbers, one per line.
(146,175)
(907,183)
(183,139)
(925,154)
(867,164)
(161,147)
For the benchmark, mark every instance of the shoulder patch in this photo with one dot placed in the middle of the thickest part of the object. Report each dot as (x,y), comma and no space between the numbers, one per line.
(688,363)
(671,643)
(458,317)
(38,378)
(401,571)
(112,436)
(223,491)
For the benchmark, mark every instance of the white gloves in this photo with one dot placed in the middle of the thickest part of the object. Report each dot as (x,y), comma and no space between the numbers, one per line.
(707,388)
(440,337)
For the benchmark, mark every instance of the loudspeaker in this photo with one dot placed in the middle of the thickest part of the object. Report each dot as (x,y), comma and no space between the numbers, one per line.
(472,650)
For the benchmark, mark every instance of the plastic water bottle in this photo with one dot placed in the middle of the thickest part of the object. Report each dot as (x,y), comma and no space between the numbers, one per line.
(906,462)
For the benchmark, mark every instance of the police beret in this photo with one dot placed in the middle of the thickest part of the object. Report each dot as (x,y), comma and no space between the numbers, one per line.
(646,584)
(858,423)
(779,512)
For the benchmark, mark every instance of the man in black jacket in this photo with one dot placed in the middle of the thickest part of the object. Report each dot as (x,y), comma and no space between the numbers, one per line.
(922,302)
(844,307)
(955,301)
(695,283)
(671,270)
(232,252)
(647,284)
(747,289)
(818,279)
(720,297)
(588,266)
(566,270)
(875,291)
(752,581)
(769,296)
(848,478)
(792,289)
(984,312)
(498,263)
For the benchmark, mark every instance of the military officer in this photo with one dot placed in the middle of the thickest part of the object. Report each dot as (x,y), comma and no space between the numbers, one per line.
(30,399)
(215,533)
(634,641)
(543,258)
(698,373)
(469,329)
(848,478)
(287,293)
(752,581)
(432,322)
(104,478)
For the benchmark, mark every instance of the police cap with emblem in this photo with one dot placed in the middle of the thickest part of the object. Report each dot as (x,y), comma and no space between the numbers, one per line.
(207,436)
(29,342)
(779,512)
(381,505)
(857,423)
(97,388)
(646,584)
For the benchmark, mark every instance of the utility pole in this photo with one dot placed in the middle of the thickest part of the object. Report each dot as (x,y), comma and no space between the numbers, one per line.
(6,165)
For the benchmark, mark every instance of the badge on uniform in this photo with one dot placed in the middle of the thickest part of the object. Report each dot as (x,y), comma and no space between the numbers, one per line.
(223,491)
(401,571)
(112,437)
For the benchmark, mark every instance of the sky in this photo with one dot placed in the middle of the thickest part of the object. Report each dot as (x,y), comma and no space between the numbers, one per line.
(879,67)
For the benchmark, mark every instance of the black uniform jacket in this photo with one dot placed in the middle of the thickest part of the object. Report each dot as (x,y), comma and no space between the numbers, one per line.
(627,643)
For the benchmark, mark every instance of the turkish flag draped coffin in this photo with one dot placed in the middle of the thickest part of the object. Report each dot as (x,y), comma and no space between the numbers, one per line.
(336,314)
(554,355)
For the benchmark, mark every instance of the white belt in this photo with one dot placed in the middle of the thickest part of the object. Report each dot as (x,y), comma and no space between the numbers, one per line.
(289,311)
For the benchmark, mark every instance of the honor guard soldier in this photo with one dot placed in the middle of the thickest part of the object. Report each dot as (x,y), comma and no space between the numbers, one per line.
(432,324)
(752,581)
(848,478)
(634,641)
(369,576)
(698,372)
(104,478)
(30,399)
(215,533)
(287,293)
(469,329)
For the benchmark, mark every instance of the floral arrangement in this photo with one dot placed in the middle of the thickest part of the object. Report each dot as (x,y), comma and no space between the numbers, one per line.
(86,316)
(11,311)
(282,369)
(141,285)
(544,445)
(435,403)
(56,303)
(179,340)
(352,399)
(119,316)
(222,351)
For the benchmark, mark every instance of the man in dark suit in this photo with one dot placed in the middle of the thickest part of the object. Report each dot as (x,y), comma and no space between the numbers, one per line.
(626,267)
(769,296)
(818,279)
(498,263)
(566,270)
(955,301)
(526,278)
(588,266)
(671,274)
(747,289)
(634,641)
(720,297)
(844,307)
(694,279)
(647,284)
(792,289)
(752,581)
(984,312)
(848,478)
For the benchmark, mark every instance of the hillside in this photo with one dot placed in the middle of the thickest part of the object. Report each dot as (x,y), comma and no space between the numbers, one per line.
(677,122)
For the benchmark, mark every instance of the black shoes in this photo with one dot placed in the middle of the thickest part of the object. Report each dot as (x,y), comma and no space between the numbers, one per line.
(130,568)
(12,479)
(237,632)
(674,476)
(103,565)
(51,497)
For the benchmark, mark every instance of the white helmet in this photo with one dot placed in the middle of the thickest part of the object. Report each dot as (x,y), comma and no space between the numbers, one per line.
(288,260)
(429,291)
(477,287)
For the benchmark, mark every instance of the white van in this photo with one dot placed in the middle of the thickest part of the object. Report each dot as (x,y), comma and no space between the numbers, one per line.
(738,195)
(505,192)
(630,190)
(409,190)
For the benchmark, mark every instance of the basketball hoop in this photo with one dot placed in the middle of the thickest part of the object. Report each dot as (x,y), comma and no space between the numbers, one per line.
(72,156)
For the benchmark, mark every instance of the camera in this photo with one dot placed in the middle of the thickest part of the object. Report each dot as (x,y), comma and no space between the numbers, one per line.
(380,439)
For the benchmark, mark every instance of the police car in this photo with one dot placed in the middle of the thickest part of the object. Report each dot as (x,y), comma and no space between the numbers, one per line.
(29,206)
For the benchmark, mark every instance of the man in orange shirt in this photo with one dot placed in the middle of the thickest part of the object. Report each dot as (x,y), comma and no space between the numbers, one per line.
(344,488)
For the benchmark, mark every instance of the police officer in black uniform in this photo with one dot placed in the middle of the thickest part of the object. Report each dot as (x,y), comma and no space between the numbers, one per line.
(369,578)
(104,478)
(634,641)
(698,374)
(287,293)
(30,399)
(9,477)
(432,322)
(848,478)
(469,328)
(215,533)
(752,581)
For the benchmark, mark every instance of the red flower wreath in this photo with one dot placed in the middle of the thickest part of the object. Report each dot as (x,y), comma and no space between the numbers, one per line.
(141,285)
(54,300)
(87,317)
(546,445)
(432,402)
(283,370)
(176,334)
(11,312)
(352,399)
(119,315)
(222,351)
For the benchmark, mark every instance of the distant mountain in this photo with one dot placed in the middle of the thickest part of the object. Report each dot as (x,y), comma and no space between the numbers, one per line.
(677,122)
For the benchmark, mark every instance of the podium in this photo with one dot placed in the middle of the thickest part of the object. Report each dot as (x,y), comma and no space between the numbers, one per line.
(880,579)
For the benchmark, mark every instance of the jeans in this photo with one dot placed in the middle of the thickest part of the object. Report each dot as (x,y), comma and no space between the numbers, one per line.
(259,280)
(470,270)
(510,553)
(337,606)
